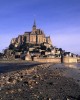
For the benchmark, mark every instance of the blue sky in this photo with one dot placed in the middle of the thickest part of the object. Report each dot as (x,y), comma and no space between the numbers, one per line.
(58,18)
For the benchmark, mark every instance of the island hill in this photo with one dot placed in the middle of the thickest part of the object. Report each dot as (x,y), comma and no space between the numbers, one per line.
(35,46)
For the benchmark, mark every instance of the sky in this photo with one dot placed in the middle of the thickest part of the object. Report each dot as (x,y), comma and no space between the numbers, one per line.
(59,19)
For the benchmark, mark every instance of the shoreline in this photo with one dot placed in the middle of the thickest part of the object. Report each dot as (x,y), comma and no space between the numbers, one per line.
(42,81)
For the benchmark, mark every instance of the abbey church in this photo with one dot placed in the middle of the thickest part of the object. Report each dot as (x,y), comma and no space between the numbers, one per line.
(36,36)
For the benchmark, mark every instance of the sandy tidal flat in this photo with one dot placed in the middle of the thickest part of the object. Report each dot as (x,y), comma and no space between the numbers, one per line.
(42,82)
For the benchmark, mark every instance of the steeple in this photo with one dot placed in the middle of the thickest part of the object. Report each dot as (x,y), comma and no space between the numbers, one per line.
(34,25)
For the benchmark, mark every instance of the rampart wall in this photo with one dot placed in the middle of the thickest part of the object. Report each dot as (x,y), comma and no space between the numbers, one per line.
(53,60)
(78,60)
(69,60)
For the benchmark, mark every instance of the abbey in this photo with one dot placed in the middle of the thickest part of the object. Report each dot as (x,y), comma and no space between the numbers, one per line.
(35,46)
(36,36)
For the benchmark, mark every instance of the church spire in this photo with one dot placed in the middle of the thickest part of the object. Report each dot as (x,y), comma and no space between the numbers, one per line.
(34,25)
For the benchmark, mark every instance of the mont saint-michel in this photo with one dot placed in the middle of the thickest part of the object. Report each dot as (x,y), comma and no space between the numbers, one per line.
(32,68)
(40,49)
(36,46)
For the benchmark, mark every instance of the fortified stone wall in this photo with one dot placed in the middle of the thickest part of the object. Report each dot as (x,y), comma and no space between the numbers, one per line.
(78,60)
(69,60)
(57,60)
(53,60)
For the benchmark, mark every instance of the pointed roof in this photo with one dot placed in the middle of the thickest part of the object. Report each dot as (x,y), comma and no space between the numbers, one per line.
(34,25)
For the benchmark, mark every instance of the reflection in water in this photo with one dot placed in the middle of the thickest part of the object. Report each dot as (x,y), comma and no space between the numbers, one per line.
(68,70)
(73,72)
(71,65)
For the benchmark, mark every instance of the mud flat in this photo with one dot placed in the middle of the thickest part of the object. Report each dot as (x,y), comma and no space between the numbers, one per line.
(41,82)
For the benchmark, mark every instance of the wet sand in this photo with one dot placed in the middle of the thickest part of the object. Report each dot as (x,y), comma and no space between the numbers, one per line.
(18,65)
(41,82)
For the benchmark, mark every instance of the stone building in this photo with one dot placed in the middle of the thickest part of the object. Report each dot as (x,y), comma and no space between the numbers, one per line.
(36,36)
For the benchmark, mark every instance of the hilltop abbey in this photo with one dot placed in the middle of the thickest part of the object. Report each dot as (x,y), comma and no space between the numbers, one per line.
(35,46)
(36,36)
